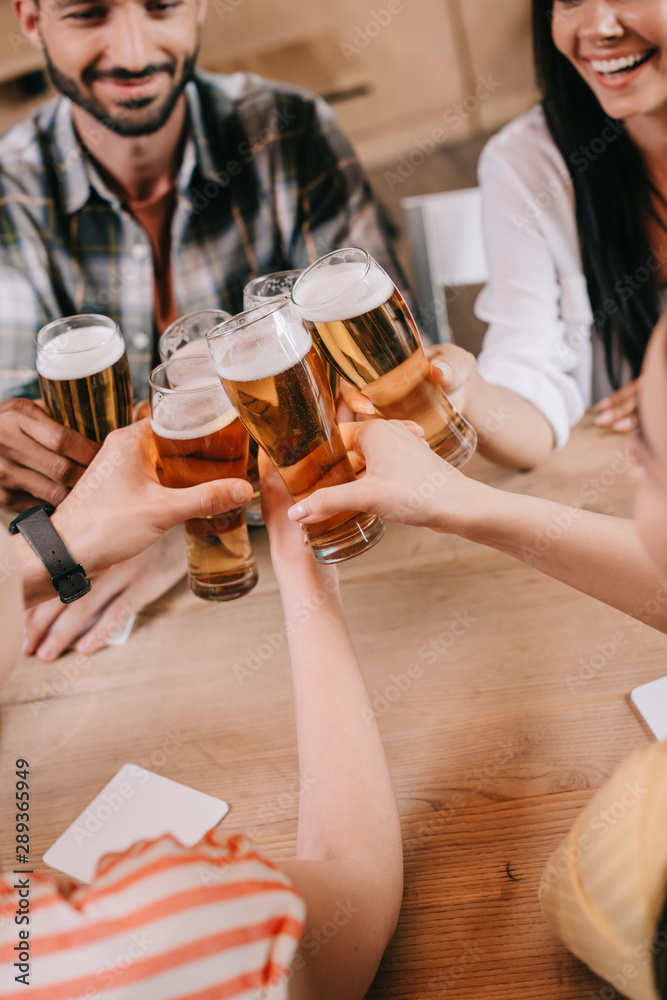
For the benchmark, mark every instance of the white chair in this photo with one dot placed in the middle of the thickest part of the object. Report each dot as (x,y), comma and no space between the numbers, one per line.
(445,234)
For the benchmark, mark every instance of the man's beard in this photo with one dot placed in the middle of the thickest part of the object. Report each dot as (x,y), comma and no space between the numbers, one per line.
(123,122)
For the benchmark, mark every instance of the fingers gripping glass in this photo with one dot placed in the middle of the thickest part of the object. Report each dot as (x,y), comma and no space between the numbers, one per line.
(360,321)
(276,381)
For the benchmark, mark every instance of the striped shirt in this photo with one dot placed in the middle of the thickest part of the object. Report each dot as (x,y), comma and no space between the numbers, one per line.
(159,922)
(267,183)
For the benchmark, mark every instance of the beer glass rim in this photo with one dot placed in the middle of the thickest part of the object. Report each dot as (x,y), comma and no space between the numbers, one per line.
(319,262)
(215,381)
(271,274)
(186,318)
(191,315)
(264,310)
(97,319)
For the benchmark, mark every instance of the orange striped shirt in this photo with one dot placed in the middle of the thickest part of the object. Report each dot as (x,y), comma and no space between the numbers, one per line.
(158,922)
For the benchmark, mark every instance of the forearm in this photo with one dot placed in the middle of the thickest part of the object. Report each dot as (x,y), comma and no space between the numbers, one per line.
(597,554)
(347,806)
(511,430)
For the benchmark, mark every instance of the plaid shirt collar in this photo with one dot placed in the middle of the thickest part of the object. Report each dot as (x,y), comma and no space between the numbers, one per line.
(78,173)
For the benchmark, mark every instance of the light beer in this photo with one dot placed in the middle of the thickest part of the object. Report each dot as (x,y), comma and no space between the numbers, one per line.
(187,335)
(84,376)
(362,324)
(196,443)
(276,380)
(275,286)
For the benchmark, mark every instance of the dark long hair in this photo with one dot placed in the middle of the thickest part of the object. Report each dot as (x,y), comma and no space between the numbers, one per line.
(660,956)
(613,197)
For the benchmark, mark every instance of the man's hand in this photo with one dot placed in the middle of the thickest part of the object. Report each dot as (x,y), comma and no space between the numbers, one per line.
(619,410)
(119,507)
(39,458)
(116,511)
(117,594)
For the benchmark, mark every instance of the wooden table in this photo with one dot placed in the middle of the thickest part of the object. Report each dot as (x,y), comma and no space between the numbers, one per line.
(493,749)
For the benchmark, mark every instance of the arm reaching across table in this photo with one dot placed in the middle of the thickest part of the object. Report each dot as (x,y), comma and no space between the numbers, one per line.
(349,861)
(405,481)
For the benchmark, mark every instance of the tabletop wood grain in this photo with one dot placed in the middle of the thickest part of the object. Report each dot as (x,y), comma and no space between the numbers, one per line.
(500,733)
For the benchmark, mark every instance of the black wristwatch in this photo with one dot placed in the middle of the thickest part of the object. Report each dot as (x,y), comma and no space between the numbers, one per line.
(67,576)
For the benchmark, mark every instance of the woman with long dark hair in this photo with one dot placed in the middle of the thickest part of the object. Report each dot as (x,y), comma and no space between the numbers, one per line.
(574,199)
(575,204)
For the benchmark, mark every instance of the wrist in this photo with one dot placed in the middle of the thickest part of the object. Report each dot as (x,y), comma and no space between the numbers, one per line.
(475,510)
(477,400)
(303,575)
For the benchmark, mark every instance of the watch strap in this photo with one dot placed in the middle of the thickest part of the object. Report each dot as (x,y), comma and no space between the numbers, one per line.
(67,575)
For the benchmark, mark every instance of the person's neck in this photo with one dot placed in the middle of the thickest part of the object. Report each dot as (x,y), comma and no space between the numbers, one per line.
(649,135)
(136,168)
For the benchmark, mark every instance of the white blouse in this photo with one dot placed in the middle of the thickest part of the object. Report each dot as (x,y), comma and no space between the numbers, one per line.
(539,342)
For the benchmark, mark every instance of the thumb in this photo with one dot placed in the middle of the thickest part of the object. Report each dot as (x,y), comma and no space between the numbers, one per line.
(355,400)
(451,366)
(328,501)
(208,499)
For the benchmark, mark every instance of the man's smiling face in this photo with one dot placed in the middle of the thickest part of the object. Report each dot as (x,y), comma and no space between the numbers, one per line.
(125,62)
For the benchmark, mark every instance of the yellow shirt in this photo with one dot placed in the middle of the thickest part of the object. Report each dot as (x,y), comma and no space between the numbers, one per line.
(604,889)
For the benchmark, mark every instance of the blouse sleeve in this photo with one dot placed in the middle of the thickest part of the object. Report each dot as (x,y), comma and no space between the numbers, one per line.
(528,347)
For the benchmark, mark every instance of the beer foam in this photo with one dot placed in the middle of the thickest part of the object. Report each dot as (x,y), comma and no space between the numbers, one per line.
(194,349)
(201,413)
(332,282)
(262,353)
(79,353)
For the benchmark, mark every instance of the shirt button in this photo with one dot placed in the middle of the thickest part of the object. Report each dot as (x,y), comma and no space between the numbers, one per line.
(139,251)
(140,341)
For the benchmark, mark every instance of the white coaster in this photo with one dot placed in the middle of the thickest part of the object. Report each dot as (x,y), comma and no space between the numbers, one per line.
(135,805)
(651,702)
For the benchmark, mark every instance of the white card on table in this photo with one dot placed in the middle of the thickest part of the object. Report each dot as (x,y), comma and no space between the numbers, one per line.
(651,702)
(135,805)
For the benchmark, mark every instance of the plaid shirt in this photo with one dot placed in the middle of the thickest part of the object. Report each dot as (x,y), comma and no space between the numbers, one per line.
(267,182)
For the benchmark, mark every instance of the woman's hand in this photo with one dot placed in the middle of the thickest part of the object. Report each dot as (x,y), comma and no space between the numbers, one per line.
(451,367)
(619,410)
(404,481)
(455,371)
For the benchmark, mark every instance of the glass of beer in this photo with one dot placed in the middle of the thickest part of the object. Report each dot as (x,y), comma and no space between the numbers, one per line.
(269,286)
(199,438)
(187,335)
(274,286)
(84,374)
(362,324)
(277,383)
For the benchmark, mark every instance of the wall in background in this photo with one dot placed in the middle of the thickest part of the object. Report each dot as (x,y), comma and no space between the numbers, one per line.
(401,73)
